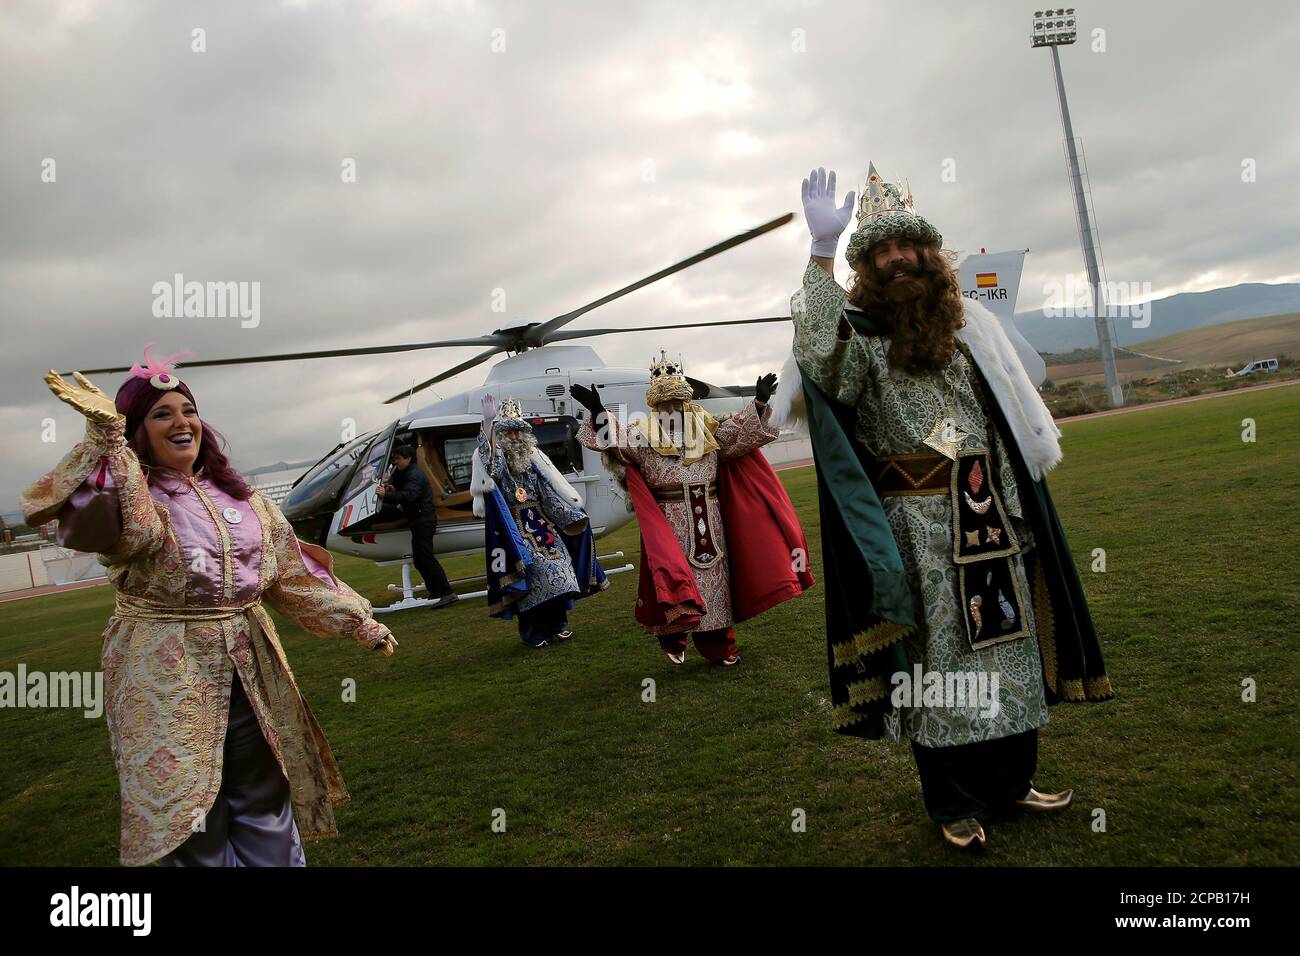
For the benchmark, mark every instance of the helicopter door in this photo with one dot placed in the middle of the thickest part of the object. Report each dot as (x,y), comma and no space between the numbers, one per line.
(360,502)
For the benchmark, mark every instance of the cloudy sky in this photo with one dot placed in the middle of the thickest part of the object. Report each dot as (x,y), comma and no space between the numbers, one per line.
(556,151)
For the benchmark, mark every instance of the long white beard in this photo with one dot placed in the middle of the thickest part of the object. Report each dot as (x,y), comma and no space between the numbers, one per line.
(519,453)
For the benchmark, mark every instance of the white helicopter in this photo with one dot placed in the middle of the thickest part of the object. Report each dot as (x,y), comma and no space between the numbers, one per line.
(335,502)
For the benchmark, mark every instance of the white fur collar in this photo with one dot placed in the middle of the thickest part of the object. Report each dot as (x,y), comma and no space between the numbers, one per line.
(481,482)
(1028,418)
(1030,422)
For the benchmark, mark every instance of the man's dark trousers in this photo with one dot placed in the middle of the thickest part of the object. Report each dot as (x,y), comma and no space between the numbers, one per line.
(425,561)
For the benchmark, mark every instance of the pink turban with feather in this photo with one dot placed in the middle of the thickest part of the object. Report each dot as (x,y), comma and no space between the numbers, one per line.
(146,384)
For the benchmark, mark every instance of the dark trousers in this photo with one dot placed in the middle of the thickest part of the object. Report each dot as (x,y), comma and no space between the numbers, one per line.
(543,622)
(251,821)
(425,561)
(712,645)
(969,780)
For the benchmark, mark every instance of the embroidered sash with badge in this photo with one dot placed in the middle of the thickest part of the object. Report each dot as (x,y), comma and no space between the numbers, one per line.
(537,527)
(705,552)
(983,548)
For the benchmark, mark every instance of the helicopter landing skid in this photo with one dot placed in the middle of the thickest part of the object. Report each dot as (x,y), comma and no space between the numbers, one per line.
(408,590)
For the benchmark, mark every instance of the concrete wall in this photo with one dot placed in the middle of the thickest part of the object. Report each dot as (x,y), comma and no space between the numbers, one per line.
(21,571)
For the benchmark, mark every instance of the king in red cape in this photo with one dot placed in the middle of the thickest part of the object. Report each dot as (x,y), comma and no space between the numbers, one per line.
(720,541)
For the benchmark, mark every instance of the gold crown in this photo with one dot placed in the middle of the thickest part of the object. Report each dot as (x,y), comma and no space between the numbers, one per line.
(884,211)
(663,366)
(510,410)
(881,199)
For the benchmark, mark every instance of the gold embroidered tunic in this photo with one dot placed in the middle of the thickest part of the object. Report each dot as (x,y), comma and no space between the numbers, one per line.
(192,568)
(736,435)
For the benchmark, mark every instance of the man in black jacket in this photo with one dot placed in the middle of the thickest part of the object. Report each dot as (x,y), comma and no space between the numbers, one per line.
(409,488)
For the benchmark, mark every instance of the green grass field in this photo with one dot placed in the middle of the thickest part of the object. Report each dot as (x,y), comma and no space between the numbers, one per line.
(1199,594)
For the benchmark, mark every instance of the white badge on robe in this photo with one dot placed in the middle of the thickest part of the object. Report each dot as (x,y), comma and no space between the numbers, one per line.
(232,515)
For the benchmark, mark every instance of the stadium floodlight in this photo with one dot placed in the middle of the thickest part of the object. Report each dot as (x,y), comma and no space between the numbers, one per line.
(1053,28)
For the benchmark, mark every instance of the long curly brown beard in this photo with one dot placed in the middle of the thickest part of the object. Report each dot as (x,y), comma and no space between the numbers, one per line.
(924,311)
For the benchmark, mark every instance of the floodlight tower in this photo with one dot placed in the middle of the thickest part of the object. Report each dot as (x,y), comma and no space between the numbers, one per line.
(1053,28)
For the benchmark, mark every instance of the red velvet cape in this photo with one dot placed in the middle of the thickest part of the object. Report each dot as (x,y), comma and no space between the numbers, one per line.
(765,542)
(666,591)
(766,548)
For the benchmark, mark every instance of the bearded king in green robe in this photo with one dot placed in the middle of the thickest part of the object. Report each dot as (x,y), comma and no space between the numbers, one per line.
(954,613)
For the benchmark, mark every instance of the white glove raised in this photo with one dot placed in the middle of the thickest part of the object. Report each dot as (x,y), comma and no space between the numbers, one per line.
(825,220)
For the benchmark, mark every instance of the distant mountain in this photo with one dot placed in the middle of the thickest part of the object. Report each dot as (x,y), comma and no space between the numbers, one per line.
(1175,313)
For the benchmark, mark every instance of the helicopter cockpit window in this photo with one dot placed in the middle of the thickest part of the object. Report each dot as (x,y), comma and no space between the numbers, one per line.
(557,441)
(327,470)
(369,471)
(459,456)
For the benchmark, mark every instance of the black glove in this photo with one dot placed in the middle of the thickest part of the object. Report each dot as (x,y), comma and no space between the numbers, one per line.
(587,398)
(764,388)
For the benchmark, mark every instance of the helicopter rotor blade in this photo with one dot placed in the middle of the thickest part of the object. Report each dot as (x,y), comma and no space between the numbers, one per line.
(493,340)
(454,370)
(541,334)
(579,333)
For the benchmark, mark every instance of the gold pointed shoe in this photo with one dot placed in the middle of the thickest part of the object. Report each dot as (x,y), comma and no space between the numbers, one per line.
(966,834)
(1045,802)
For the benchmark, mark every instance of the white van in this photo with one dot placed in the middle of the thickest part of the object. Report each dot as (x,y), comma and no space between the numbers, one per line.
(1263,365)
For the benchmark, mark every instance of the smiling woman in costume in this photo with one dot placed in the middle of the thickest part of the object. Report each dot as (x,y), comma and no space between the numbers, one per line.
(219,759)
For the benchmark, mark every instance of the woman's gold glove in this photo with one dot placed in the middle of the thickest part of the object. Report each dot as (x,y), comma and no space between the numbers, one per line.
(86,397)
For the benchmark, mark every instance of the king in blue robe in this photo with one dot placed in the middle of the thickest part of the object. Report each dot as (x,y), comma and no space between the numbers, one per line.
(539,551)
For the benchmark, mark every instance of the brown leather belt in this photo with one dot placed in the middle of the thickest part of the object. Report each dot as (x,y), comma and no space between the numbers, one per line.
(917,474)
(678,493)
